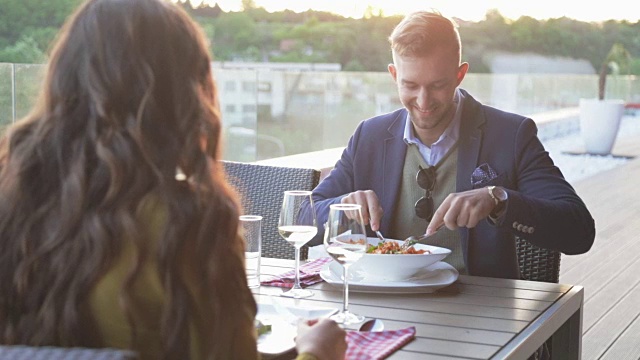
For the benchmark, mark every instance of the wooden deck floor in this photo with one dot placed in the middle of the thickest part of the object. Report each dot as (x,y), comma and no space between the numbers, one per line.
(610,271)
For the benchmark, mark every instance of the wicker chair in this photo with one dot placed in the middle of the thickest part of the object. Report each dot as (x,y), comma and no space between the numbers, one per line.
(21,352)
(537,264)
(261,190)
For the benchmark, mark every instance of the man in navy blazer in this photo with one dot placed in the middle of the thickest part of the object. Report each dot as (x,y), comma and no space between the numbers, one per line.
(506,184)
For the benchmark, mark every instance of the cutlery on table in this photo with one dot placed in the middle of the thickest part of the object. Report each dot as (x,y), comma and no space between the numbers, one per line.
(372,325)
(412,240)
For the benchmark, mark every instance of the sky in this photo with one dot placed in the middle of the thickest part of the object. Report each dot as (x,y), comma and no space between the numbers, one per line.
(471,10)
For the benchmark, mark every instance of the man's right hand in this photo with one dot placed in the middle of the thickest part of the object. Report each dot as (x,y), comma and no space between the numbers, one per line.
(371,210)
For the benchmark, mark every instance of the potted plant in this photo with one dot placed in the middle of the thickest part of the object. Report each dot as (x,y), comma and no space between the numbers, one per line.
(600,117)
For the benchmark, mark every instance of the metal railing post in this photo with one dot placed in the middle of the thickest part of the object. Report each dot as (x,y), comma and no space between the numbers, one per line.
(13,92)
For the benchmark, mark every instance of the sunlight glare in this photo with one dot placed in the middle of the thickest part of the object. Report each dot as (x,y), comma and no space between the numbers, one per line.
(470,10)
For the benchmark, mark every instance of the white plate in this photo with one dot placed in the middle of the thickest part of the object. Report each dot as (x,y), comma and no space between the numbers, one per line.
(427,280)
(282,335)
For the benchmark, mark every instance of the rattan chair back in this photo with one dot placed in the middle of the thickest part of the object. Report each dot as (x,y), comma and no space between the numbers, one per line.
(536,263)
(261,189)
(21,352)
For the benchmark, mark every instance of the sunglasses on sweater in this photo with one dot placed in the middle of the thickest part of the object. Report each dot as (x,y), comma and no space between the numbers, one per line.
(426,179)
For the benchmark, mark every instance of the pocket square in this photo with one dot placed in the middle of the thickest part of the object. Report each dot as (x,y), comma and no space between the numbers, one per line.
(483,174)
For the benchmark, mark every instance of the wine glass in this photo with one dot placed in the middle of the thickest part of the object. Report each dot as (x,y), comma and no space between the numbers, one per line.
(346,241)
(297,230)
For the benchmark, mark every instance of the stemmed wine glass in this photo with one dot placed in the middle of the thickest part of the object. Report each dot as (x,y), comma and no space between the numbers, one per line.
(345,240)
(297,230)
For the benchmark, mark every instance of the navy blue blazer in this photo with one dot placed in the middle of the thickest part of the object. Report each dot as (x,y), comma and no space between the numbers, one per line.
(539,196)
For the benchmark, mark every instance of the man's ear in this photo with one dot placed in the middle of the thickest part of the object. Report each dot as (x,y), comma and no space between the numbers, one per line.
(393,72)
(462,71)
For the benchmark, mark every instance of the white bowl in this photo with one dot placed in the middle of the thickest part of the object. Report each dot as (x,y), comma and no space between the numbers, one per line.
(393,267)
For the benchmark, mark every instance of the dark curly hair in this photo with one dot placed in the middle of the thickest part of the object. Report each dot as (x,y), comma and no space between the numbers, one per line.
(128,102)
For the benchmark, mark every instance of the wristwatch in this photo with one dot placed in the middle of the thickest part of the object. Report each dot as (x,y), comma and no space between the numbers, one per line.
(500,196)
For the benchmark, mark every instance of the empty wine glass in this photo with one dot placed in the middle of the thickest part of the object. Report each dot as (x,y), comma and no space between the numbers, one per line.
(297,230)
(345,240)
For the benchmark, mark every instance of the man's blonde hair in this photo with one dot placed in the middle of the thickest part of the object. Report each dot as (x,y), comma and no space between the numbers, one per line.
(421,32)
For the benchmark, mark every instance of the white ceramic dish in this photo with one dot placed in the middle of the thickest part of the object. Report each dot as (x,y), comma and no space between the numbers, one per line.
(428,280)
(396,267)
(283,332)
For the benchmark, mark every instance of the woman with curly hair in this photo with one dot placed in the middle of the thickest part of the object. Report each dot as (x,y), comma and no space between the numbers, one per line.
(101,244)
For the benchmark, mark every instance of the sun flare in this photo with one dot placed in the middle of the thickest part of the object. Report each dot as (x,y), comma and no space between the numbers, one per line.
(471,10)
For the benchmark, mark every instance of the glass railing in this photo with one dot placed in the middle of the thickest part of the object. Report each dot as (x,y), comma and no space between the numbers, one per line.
(269,113)
(19,87)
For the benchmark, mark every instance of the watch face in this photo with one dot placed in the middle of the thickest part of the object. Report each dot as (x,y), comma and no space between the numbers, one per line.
(500,194)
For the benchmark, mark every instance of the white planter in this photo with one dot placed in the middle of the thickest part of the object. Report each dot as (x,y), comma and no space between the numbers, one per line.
(599,123)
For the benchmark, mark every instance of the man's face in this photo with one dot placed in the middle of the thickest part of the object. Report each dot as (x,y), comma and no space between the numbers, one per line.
(426,86)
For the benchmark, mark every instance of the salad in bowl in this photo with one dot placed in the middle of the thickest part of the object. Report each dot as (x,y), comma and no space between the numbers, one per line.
(387,261)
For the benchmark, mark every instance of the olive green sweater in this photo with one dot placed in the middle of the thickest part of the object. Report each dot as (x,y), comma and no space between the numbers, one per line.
(148,297)
(405,223)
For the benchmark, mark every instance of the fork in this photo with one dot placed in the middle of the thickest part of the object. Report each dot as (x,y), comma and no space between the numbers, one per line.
(379,234)
(412,240)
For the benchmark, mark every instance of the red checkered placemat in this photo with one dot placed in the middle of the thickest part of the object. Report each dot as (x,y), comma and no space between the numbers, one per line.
(309,275)
(365,345)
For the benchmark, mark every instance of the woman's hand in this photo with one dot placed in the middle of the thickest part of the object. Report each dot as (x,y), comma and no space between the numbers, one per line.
(322,338)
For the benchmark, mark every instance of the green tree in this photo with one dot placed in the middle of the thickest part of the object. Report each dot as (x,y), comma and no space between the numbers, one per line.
(617,59)
(25,51)
(25,23)
(353,65)
(634,66)
(235,32)
(18,15)
(248,5)
(27,28)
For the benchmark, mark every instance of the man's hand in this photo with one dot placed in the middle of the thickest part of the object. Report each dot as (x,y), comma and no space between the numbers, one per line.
(464,209)
(371,210)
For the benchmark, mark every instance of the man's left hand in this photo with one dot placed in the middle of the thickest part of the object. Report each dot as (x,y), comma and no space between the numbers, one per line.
(464,209)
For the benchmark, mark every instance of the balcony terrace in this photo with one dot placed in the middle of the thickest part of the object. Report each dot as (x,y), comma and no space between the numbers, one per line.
(305,118)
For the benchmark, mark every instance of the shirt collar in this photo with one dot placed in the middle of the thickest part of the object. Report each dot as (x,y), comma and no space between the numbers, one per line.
(452,131)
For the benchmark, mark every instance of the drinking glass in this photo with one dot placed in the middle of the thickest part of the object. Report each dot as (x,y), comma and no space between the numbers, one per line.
(297,230)
(251,226)
(345,241)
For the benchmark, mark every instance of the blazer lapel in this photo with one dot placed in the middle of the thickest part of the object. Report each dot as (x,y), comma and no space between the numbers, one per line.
(469,141)
(395,151)
(468,153)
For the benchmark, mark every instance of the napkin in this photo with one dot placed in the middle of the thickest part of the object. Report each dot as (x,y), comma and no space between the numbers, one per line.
(309,275)
(365,345)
